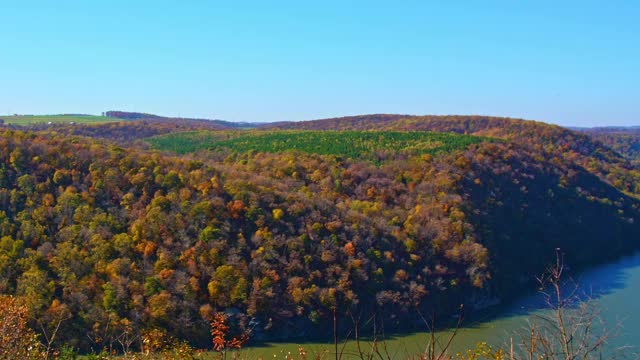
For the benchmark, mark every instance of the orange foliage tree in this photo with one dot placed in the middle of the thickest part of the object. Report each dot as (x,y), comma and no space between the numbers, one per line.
(17,340)
(220,332)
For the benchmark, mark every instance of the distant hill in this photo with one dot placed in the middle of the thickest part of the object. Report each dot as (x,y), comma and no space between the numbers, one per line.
(126,132)
(152,117)
(118,126)
(605,128)
(26,120)
(469,124)
(625,140)
(551,139)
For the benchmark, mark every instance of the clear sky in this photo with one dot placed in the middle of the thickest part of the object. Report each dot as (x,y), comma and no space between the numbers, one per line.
(566,62)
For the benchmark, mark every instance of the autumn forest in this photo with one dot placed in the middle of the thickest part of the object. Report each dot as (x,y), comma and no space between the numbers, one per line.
(146,223)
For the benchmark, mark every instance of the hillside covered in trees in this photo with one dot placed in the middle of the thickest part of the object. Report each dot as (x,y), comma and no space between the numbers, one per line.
(193,122)
(625,140)
(277,226)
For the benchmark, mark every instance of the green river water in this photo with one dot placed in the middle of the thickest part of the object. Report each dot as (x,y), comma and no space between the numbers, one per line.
(615,287)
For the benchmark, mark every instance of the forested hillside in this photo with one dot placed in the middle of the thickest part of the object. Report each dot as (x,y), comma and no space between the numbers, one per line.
(550,140)
(112,238)
(626,141)
(123,132)
(191,121)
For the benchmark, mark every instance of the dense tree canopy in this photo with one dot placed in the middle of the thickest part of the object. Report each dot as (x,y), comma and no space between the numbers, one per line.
(107,238)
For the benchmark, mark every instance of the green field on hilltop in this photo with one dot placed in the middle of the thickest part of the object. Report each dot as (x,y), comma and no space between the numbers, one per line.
(354,144)
(55,119)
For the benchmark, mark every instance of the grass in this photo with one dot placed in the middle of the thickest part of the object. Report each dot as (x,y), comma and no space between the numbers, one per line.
(55,119)
(405,346)
(372,145)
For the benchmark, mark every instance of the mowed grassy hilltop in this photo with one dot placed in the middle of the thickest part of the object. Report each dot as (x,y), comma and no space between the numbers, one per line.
(353,144)
(56,119)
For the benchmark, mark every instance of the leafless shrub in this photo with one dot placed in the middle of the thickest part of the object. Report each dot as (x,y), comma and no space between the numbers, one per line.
(573,329)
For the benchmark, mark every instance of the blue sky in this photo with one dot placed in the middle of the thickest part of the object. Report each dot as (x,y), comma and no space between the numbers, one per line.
(566,62)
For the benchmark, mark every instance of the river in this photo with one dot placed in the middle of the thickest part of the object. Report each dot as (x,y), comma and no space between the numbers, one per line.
(614,287)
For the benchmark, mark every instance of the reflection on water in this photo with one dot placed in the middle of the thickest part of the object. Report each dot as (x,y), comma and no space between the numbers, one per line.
(615,287)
